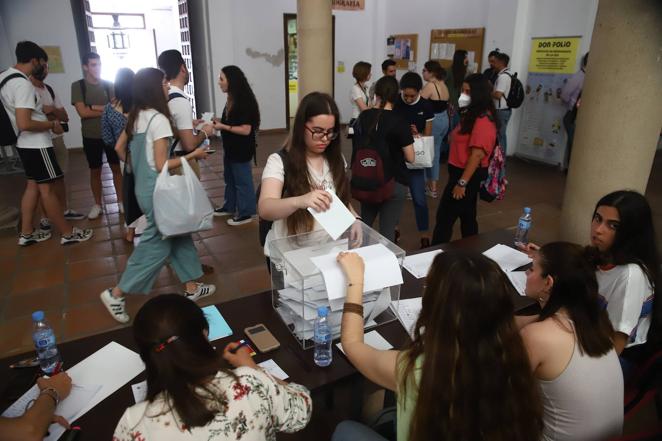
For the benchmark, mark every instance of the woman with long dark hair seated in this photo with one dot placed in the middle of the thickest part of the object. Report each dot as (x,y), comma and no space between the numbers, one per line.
(628,272)
(466,374)
(191,395)
(472,143)
(570,347)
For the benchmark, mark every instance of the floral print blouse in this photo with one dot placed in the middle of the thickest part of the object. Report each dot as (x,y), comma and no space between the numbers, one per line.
(254,408)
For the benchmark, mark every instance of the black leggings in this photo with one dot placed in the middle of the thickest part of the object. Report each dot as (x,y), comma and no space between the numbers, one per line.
(450,209)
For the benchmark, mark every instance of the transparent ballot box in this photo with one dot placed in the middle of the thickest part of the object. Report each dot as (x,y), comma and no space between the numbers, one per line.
(298,287)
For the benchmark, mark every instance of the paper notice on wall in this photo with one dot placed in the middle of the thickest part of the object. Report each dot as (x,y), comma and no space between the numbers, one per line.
(472,57)
(450,51)
(434,51)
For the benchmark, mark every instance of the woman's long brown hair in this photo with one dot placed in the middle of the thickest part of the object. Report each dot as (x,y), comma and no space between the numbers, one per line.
(298,180)
(475,379)
(147,94)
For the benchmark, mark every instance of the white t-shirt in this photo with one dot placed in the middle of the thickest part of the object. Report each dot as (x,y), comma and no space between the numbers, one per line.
(160,128)
(628,296)
(275,169)
(502,85)
(256,408)
(19,93)
(181,111)
(48,100)
(354,94)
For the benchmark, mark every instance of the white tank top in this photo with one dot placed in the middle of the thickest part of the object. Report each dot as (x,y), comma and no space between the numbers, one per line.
(585,402)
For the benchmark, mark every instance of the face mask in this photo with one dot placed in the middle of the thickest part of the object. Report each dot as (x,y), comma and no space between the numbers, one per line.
(464,100)
(39,72)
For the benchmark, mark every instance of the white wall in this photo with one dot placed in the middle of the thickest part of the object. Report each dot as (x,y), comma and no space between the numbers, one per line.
(6,52)
(49,24)
(256,26)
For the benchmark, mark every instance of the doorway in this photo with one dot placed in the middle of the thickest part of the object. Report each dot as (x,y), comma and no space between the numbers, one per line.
(292,65)
(126,33)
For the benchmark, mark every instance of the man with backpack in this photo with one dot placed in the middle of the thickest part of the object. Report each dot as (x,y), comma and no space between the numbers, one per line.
(54,110)
(500,95)
(89,96)
(22,121)
(176,73)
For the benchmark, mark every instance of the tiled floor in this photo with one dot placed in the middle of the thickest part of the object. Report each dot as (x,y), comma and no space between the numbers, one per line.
(65,281)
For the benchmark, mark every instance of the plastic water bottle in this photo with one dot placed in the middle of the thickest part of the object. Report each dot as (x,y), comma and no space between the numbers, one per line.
(44,342)
(322,338)
(523,227)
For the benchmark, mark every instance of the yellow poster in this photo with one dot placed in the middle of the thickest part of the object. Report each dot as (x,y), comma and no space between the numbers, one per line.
(554,55)
(54,59)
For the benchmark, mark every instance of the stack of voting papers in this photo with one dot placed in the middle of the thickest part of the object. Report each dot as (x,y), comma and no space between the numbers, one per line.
(408,311)
(508,258)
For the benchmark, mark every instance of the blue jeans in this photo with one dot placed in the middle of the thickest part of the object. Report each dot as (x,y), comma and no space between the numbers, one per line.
(439,130)
(352,431)
(454,121)
(417,189)
(239,190)
(504,117)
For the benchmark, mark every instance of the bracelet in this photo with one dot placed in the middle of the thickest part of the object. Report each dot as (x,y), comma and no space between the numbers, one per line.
(350,284)
(359,218)
(51,392)
(353,308)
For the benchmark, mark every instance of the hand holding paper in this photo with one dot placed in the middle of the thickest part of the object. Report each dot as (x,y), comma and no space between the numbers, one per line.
(337,219)
(206,119)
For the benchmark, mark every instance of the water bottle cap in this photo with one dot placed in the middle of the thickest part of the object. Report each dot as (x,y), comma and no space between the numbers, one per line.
(527,210)
(322,311)
(38,316)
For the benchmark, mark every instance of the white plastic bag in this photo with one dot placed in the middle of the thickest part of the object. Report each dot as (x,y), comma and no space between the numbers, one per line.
(423,153)
(181,205)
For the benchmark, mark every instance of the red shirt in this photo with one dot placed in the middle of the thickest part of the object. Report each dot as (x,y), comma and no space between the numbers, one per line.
(482,136)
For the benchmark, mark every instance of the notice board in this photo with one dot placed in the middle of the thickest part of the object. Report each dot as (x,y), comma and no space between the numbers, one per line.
(403,49)
(444,43)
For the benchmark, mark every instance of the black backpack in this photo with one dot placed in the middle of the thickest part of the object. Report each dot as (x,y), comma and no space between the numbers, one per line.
(515,96)
(171,97)
(265,225)
(372,177)
(7,134)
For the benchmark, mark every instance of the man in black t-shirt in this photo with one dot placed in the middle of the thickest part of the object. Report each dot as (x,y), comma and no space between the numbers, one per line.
(417,111)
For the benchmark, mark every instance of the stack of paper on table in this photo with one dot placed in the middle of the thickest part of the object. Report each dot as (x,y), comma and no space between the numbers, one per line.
(508,258)
(93,379)
(374,339)
(408,311)
(518,280)
(419,264)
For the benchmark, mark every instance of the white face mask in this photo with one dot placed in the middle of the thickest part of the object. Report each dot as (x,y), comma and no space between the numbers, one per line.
(464,100)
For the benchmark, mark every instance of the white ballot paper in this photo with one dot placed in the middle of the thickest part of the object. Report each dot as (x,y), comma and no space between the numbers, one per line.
(68,408)
(518,280)
(374,339)
(508,258)
(418,265)
(206,118)
(336,220)
(381,270)
(139,391)
(275,370)
(408,311)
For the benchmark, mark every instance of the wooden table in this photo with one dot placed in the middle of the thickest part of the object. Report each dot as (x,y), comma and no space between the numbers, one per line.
(239,314)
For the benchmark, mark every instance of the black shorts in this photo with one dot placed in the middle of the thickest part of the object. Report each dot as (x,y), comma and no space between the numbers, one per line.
(94,149)
(40,165)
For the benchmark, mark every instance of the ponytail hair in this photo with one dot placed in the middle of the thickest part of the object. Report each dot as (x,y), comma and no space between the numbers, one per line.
(575,288)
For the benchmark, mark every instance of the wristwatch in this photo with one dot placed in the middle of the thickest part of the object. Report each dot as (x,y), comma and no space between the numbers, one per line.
(461,183)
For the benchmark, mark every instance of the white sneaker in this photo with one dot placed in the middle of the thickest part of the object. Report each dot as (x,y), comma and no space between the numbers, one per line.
(77,235)
(34,237)
(95,212)
(201,290)
(116,307)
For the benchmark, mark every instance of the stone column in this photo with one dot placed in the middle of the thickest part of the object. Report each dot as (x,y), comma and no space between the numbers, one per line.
(618,123)
(315,32)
